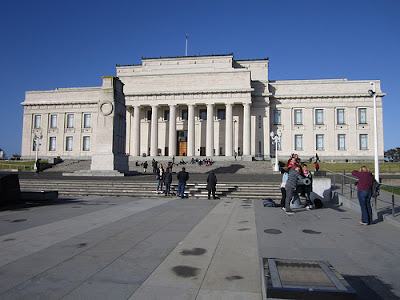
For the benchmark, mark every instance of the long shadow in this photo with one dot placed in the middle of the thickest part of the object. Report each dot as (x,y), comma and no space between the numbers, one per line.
(20,205)
(227,170)
(370,288)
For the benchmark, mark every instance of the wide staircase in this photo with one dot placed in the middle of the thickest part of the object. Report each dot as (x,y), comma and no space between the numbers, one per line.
(246,191)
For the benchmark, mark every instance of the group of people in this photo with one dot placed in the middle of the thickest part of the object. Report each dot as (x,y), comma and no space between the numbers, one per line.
(164,181)
(202,162)
(292,183)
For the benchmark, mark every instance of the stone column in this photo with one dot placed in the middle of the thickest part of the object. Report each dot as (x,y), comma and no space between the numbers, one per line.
(154,131)
(136,131)
(246,129)
(191,132)
(228,130)
(210,130)
(172,130)
(128,129)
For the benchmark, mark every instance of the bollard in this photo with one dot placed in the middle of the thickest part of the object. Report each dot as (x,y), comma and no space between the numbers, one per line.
(392,203)
(343,181)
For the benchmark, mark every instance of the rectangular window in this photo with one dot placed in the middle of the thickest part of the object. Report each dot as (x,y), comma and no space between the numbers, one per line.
(221,114)
(86,143)
(340,116)
(362,116)
(259,121)
(53,121)
(277,117)
(298,142)
(363,141)
(319,142)
(203,114)
(70,121)
(166,115)
(37,121)
(68,143)
(341,142)
(149,115)
(298,117)
(52,144)
(184,115)
(87,120)
(319,116)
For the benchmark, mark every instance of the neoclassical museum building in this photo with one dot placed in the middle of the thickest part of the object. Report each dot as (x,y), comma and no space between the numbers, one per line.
(205,106)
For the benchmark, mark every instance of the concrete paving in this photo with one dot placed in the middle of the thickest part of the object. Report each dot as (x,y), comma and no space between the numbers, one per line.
(169,248)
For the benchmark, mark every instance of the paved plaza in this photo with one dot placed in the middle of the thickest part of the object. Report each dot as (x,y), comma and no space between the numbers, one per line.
(169,248)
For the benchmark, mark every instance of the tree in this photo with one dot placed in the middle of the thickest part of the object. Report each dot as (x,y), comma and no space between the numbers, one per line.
(393,154)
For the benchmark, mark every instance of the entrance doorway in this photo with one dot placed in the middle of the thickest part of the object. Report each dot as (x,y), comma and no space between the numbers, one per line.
(182,143)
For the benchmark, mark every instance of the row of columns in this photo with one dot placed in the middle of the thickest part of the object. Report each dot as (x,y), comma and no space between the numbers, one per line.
(135,131)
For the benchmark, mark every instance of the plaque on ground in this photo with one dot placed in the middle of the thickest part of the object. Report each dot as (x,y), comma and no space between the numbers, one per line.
(303,279)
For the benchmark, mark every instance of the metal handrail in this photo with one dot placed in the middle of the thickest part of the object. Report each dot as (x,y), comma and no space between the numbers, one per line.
(348,183)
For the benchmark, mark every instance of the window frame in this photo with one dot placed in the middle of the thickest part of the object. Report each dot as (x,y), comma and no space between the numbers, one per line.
(319,116)
(219,112)
(87,118)
(85,142)
(70,121)
(203,114)
(363,139)
(340,135)
(319,138)
(53,121)
(298,116)
(277,117)
(338,122)
(52,143)
(298,138)
(37,121)
(69,141)
(362,114)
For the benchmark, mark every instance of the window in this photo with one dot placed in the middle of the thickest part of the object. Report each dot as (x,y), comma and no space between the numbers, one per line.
(37,121)
(149,115)
(52,144)
(86,143)
(277,117)
(203,114)
(298,142)
(70,121)
(53,121)
(319,116)
(340,116)
(68,143)
(362,116)
(363,142)
(166,115)
(221,114)
(319,142)
(341,142)
(298,117)
(259,121)
(185,115)
(87,120)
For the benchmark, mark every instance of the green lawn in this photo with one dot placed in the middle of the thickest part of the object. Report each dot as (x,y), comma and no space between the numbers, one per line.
(21,165)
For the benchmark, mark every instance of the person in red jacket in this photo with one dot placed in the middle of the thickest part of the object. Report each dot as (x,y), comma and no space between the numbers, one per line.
(365,180)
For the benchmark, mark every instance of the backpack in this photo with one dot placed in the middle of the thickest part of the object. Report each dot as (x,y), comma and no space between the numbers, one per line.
(375,189)
(269,203)
(318,203)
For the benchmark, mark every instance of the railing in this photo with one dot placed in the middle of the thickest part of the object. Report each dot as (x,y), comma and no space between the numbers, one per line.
(347,187)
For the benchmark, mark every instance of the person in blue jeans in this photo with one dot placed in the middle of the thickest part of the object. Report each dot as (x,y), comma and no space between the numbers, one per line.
(167,181)
(364,185)
(183,176)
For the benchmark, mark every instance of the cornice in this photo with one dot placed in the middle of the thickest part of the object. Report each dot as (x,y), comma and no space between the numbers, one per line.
(193,92)
(302,96)
(58,103)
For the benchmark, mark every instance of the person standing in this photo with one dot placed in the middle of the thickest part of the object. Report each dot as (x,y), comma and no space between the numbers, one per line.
(307,188)
(37,166)
(365,180)
(145,166)
(283,189)
(317,158)
(160,178)
(211,184)
(291,185)
(316,166)
(167,182)
(183,177)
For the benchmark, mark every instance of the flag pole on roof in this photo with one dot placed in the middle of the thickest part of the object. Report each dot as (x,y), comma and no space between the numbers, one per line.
(186,45)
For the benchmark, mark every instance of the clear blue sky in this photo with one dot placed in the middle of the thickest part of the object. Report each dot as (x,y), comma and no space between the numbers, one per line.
(53,44)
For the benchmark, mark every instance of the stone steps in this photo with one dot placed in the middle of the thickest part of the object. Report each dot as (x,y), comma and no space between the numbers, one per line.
(148,189)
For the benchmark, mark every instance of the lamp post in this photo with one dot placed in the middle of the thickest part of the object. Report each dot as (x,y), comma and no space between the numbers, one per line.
(36,139)
(372,92)
(276,139)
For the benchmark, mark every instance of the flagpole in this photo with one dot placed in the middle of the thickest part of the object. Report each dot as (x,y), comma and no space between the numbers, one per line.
(186,45)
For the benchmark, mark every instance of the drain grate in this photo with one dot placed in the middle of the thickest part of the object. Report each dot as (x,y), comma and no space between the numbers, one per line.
(303,279)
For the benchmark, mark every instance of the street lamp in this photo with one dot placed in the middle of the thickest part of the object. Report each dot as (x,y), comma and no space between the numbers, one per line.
(37,137)
(276,139)
(372,92)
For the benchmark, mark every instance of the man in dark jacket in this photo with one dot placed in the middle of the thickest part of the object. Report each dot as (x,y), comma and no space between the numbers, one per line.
(183,176)
(291,185)
(211,184)
(167,181)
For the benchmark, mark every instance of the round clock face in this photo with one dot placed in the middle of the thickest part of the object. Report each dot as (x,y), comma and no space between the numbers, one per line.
(106,108)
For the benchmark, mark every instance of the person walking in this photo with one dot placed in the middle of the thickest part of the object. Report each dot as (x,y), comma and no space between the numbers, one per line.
(211,184)
(291,185)
(37,166)
(160,178)
(307,188)
(167,182)
(365,180)
(183,177)
(145,164)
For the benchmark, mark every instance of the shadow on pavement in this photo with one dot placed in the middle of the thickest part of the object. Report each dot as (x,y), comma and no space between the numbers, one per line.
(370,288)
(26,205)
